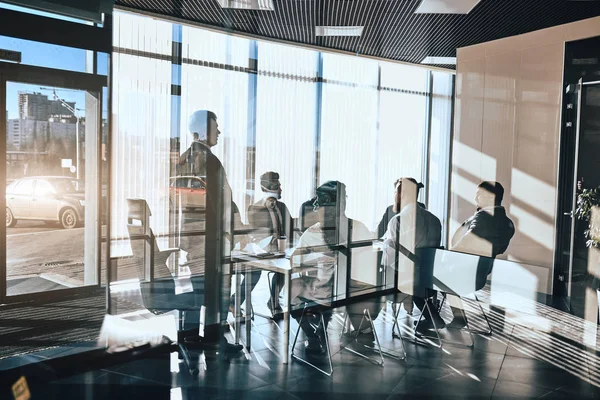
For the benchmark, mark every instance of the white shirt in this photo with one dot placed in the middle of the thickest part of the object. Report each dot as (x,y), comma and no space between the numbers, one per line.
(416,227)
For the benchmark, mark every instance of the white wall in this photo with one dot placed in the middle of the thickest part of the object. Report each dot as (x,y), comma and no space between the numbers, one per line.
(507,128)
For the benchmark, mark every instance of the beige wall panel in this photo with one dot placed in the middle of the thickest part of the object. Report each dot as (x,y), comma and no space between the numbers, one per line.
(582,29)
(466,158)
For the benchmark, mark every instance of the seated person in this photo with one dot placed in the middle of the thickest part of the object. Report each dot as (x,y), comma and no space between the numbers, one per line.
(307,216)
(487,233)
(391,211)
(414,227)
(269,217)
(315,285)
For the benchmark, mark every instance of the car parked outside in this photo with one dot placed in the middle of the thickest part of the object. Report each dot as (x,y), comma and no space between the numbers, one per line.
(187,192)
(46,198)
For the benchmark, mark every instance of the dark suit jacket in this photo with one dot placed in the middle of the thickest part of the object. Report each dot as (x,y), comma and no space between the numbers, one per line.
(261,223)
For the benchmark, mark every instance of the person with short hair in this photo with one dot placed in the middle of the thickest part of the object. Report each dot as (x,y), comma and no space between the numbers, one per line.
(486,233)
(314,286)
(211,289)
(270,217)
(412,228)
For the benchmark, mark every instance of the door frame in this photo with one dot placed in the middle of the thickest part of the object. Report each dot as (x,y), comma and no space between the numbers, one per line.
(567,184)
(54,78)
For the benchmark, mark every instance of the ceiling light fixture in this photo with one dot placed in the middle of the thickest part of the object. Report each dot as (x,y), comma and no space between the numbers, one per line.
(339,30)
(439,60)
(261,5)
(446,6)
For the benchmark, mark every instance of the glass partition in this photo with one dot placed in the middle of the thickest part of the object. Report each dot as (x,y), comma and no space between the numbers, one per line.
(236,148)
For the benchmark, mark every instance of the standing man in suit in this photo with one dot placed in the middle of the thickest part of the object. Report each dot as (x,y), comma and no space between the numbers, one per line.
(211,289)
(271,217)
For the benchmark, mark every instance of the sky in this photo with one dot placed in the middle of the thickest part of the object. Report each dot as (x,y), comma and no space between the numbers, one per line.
(45,55)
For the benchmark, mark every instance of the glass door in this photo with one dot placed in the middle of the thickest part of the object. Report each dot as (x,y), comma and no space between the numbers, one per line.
(584,273)
(53,193)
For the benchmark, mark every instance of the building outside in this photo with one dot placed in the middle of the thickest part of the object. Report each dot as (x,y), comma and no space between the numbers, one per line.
(37,106)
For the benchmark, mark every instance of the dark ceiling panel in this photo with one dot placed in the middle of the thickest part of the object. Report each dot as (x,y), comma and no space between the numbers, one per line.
(391,28)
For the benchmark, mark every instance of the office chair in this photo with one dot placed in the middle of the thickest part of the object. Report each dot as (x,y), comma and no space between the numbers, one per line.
(321,325)
(168,292)
(457,274)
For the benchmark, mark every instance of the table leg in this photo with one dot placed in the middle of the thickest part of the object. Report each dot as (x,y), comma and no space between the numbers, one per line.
(237,314)
(286,318)
(248,317)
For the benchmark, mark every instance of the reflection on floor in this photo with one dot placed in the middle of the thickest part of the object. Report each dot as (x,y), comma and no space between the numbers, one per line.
(32,327)
(535,352)
(33,284)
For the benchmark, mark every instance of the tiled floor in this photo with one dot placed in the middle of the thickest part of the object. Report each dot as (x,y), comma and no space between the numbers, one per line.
(538,352)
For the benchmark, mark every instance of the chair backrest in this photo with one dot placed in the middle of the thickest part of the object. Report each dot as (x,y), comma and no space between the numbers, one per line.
(155,294)
(452,272)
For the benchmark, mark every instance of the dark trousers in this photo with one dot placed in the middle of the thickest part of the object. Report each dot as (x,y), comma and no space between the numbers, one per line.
(356,311)
(276,286)
(212,331)
(254,277)
(311,319)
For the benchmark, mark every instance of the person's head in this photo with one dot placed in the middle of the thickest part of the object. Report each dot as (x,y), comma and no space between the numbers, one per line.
(330,198)
(489,194)
(204,124)
(270,184)
(330,204)
(407,191)
(196,136)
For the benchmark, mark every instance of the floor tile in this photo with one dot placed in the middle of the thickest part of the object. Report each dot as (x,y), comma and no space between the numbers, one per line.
(514,390)
(540,373)
(423,382)
(271,392)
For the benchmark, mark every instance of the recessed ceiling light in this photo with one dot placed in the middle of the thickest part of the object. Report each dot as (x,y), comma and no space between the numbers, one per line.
(339,30)
(446,6)
(439,60)
(261,5)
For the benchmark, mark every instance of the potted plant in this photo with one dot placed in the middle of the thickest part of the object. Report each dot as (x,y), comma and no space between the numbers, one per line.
(586,201)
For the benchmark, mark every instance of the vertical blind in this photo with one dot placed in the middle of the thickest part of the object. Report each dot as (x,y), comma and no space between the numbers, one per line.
(307,115)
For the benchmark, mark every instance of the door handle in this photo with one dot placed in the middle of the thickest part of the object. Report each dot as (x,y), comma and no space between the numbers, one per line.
(569,214)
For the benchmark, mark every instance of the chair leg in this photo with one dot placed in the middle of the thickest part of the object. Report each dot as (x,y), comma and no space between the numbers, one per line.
(187,360)
(298,331)
(367,315)
(468,328)
(327,346)
(344,324)
(438,337)
(490,330)
(442,303)
(395,312)
(417,335)
(321,324)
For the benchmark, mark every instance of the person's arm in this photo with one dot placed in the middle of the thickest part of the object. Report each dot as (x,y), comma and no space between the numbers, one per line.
(460,232)
(288,222)
(383,223)
(472,240)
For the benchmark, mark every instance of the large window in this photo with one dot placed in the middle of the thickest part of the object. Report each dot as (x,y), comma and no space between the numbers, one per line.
(286,120)
(310,116)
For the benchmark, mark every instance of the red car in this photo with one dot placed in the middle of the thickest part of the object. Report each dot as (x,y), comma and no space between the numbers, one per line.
(187,192)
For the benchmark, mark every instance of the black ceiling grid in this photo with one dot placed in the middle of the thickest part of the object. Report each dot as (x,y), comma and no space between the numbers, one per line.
(392,29)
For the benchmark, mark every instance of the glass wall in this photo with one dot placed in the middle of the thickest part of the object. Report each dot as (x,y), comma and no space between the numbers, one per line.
(311,117)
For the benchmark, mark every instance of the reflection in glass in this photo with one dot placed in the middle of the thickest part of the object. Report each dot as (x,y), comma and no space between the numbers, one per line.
(51,202)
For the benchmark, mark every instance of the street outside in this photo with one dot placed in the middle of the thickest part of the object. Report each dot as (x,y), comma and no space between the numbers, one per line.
(36,249)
